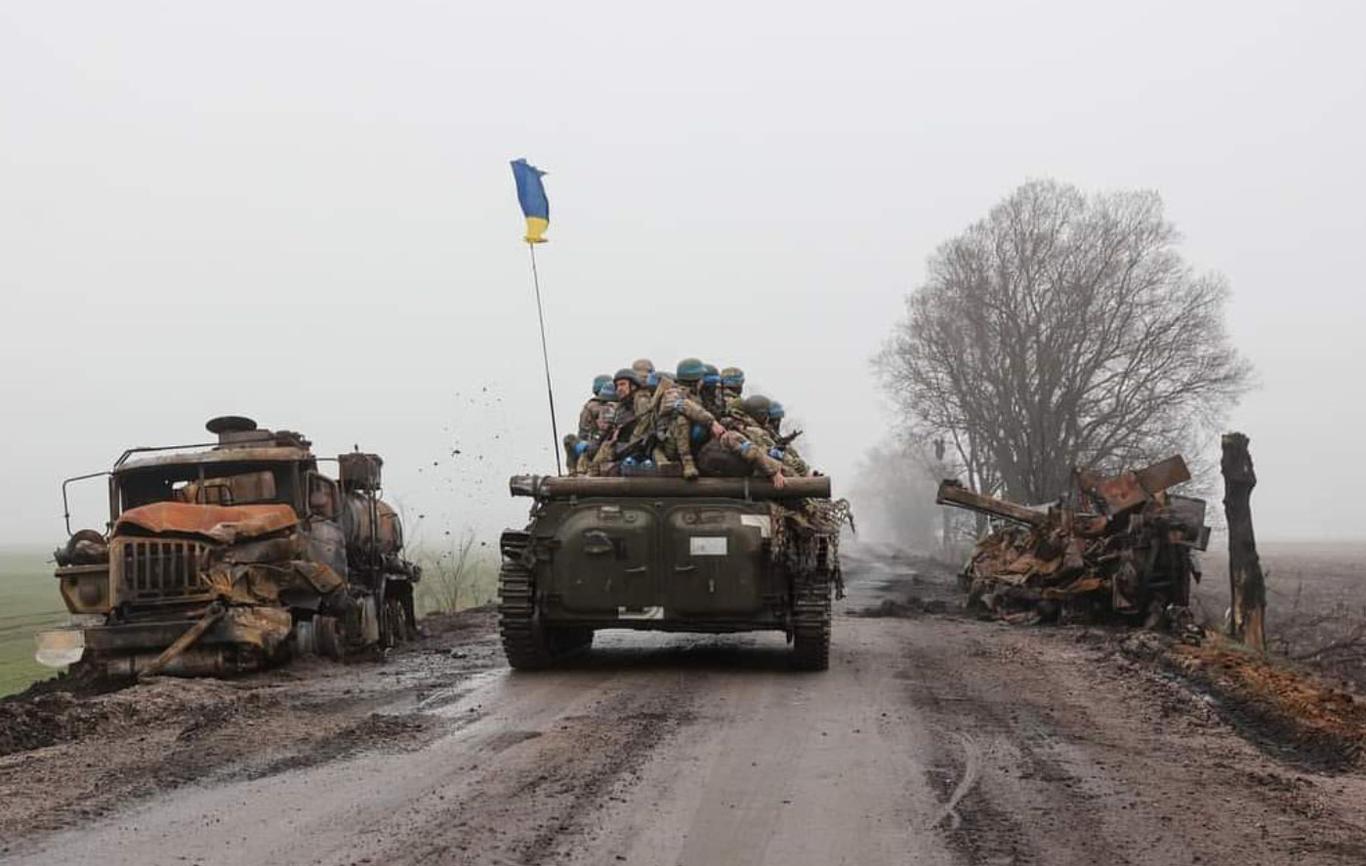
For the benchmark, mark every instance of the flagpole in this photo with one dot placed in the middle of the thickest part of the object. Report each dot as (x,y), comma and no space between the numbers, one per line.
(545,356)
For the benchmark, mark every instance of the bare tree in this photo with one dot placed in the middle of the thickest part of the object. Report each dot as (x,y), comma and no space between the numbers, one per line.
(1063,330)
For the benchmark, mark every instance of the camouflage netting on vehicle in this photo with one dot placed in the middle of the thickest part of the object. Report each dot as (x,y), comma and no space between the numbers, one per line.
(806,536)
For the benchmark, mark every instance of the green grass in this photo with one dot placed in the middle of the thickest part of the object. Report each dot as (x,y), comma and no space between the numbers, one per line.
(29,603)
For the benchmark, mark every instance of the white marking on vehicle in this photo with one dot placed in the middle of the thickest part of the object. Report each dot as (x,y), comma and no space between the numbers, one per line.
(707,545)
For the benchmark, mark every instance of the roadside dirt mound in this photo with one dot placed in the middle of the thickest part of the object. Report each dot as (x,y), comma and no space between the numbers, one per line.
(48,718)
(1287,710)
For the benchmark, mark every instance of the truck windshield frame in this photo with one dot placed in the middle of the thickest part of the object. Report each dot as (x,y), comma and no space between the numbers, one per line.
(132,488)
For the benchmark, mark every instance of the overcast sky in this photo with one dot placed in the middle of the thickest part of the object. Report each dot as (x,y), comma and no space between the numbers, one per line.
(304,213)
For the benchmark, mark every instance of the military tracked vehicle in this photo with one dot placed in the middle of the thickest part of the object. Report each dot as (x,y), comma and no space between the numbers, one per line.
(711,555)
(227,556)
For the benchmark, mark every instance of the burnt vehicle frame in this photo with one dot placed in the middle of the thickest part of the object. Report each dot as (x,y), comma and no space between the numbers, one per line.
(314,566)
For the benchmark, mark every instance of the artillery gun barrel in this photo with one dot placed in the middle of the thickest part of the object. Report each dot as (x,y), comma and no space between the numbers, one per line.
(951,492)
(547,487)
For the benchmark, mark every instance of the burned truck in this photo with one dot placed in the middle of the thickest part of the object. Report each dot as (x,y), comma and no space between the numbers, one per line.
(1117,547)
(228,556)
(657,553)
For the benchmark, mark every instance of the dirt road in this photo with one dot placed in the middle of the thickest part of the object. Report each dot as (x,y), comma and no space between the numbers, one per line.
(932,739)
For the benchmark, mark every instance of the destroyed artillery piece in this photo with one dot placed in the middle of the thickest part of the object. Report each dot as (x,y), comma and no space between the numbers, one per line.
(228,556)
(1125,547)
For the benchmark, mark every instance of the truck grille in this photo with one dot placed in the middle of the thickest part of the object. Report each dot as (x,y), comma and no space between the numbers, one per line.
(154,569)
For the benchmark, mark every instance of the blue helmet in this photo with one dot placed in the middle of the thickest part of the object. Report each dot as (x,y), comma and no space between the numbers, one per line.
(775,410)
(608,391)
(598,381)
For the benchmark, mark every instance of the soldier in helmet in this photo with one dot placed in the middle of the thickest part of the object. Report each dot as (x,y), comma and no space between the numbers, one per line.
(632,406)
(712,396)
(586,448)
(588,424)
(732,383)
(782,450)
(678,410)
(643,366)
(747,436)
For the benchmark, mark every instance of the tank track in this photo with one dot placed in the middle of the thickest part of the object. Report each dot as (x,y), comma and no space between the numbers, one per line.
(811,615)
(527,642)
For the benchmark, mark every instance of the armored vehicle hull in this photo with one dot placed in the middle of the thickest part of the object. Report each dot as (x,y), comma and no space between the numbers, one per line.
(712,556)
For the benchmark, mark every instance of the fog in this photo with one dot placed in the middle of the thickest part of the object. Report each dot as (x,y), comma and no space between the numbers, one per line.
(304,213)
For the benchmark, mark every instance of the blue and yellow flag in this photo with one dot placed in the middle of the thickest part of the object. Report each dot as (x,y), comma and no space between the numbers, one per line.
(531,195)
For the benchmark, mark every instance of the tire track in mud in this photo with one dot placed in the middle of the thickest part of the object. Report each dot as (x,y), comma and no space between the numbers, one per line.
(972,771)
(1008,795)
(532,795)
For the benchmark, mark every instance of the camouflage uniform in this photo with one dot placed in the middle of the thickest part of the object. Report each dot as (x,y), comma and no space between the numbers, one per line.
(628,417)
(588,425)
(609,429)
(676,412)
(732,384)
(587,432)
(790,456)
(747,437)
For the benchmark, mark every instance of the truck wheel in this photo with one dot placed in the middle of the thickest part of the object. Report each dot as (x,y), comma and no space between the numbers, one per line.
(525,641)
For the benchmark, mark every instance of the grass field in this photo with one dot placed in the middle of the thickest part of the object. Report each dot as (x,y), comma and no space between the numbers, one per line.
(1315,605)
(28,603)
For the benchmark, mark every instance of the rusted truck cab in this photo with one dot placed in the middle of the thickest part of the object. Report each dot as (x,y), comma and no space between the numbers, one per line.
(243,545)
(714,555)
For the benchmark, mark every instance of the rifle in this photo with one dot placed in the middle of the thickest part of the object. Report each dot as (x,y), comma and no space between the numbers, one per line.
(783,441)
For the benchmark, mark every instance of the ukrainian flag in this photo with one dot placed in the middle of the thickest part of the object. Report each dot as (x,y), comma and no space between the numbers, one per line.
(531,195)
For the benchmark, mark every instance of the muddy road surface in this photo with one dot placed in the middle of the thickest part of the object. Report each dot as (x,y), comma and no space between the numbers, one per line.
(933,738)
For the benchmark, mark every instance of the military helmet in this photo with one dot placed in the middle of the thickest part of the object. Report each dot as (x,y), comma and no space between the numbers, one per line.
(691,370)
(629,375)
(608,391)
(711,376)
(600,380)
(775,410)
(756,406)
(733,377)
(643,366)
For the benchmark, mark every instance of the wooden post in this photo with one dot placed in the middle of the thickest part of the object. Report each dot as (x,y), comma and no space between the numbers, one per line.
(1247,587)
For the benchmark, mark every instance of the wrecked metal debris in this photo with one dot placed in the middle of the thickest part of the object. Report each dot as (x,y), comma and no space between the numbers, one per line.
(1123,548)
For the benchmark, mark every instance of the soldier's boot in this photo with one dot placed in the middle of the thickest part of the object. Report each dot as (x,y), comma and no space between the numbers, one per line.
(661,457)
(689,467)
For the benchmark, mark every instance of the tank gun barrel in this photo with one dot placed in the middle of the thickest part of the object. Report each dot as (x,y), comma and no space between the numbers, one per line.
(548,487)
(952,492)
